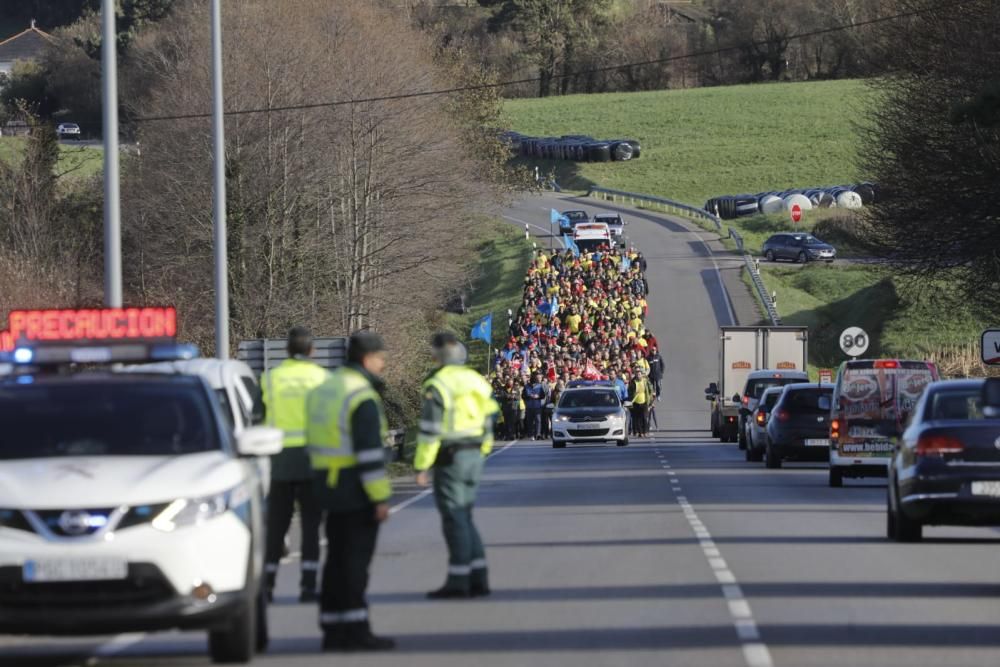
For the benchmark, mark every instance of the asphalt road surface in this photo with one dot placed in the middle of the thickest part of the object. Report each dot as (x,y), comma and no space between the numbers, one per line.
(673,551)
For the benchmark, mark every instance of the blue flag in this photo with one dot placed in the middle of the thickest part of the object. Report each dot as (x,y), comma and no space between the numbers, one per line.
(571,244)
(554,216)
(483,329)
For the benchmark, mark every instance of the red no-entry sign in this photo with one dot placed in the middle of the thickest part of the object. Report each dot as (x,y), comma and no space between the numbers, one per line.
(796,212)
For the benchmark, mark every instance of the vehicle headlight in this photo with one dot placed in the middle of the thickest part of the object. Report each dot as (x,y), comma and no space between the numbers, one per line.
(194,511)
(561,418)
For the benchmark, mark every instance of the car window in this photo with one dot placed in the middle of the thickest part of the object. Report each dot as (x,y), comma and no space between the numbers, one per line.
(770,400)
(258,403)
(806,400)
(575,215)
(599,398)
(146,418)
(955,404)
(756,388)
(227,408)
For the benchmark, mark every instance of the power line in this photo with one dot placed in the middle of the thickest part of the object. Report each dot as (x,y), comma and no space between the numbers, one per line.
(536,79)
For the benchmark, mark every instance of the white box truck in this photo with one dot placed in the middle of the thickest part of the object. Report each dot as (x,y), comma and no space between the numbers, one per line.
(743,350)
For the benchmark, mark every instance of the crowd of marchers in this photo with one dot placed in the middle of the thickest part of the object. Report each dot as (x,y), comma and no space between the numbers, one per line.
(582,317)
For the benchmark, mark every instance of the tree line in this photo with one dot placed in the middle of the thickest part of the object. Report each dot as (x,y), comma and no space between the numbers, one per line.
(585,46)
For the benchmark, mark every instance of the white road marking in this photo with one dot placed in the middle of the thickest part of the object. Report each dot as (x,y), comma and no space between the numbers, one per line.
(755,652)
(117,644)
(523,222)
(718,276)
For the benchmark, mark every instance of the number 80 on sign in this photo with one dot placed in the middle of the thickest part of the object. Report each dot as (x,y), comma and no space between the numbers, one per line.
(854,341)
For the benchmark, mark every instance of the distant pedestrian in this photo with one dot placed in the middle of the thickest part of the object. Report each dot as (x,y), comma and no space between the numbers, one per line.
(534,401)
(456,434)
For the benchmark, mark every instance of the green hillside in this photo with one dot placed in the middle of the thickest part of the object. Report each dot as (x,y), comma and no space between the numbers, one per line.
(708,141)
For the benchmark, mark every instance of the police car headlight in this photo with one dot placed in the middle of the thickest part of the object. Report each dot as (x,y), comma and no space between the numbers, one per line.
(561,418)
(193,511)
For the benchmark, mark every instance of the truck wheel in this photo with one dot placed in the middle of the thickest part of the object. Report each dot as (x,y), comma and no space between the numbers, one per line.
(771,458)
(836,477)
(235,644)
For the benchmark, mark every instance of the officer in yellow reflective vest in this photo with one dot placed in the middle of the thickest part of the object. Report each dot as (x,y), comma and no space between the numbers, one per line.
(345,434)
(456,434)
(284,390)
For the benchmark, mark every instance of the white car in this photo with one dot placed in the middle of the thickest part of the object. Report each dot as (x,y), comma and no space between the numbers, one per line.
(68,131)
(615,223)
(129,504)
(592,413)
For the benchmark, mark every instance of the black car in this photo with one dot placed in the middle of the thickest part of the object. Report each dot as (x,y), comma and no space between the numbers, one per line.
(799,426)
(570,218)
(946,467)
(797,247)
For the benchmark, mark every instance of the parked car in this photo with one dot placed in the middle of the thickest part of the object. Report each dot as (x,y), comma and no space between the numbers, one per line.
(799,427)
(757,383)
(946,469)
(872,400)
(615,223)
(570,218)
(756,427)
(797,247)
(589,414)
(68,131)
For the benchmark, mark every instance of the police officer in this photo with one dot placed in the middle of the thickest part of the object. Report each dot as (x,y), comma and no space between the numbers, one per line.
(346,432)
(456,433)
(284,395)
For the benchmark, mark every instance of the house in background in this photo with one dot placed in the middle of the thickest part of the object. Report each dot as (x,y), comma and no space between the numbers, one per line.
(26,45)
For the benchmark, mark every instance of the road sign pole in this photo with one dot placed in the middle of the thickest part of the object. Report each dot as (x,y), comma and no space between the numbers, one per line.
(219,191)
(109,118)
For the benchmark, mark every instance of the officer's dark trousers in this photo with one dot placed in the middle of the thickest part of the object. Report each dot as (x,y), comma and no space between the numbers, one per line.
(533,423)
(351,538)
(639,419)
(511,420)
(455,486)
(280,507)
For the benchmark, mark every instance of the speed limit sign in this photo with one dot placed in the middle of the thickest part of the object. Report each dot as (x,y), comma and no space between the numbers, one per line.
(854,341)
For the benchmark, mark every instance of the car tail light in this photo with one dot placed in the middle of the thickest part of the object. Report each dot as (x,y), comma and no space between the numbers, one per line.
(835,429)
(783,415)
(938,445)
(761,418)
(883,363)
(746,400)
(730,419)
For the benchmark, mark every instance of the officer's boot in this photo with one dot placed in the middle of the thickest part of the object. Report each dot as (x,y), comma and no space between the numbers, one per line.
(335,638)
(359,637)
(480,579)
(270,578)
(457,585)
(307,586)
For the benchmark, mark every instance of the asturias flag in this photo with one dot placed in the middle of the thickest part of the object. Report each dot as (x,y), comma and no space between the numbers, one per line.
(483,329)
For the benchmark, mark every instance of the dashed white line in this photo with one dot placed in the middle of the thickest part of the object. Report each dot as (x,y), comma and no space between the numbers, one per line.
(755,652)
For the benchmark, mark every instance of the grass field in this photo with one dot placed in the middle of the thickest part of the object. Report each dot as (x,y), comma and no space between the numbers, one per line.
(705,142)
(74,161)
(901,321)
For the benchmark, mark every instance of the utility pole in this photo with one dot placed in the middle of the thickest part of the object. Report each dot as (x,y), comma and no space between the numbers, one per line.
(109,118)
(219,191)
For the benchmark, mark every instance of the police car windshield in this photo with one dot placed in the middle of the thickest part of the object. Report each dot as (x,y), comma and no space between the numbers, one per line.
(82,418)
(590,398)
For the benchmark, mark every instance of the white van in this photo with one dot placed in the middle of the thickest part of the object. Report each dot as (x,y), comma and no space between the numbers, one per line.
(591,236)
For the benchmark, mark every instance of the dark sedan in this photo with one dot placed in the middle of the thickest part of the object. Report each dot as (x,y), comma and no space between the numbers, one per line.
(797,247)
(570,218)
(799,427)
(946,467)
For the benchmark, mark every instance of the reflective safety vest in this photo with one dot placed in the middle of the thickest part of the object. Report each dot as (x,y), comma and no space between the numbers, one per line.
(284,390)
(331,407)
(468,403)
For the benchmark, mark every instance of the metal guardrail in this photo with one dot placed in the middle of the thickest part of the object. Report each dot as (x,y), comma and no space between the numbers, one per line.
(661,202)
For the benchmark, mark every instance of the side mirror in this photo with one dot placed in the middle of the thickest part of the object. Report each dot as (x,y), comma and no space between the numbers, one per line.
(259,441)
(824,403)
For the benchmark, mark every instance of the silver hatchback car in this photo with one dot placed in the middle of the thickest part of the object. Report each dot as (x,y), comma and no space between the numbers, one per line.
(755,429)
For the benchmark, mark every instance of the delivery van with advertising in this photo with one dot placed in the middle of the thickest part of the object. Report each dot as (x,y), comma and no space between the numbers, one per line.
(870,405)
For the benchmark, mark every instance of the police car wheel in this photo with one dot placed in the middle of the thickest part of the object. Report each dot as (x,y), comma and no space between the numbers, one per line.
(235,644)
(263,635)
(622,443)
(558,444)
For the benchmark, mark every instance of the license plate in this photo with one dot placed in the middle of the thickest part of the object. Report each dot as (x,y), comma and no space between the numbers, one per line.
(991,489)
(863,432)
(74,569)
(817,442)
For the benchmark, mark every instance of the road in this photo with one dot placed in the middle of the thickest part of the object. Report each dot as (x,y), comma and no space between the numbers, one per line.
(669,552)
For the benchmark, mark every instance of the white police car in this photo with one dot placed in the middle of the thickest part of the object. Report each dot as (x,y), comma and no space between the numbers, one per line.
(127,503)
